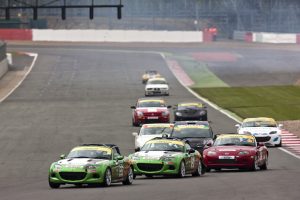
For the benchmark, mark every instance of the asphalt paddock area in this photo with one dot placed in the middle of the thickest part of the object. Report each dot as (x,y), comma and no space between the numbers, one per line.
(82,94)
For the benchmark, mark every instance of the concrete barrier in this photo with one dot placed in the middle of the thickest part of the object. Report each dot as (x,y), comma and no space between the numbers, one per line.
(239,35)
(15,34)
(116,36)
(3,67)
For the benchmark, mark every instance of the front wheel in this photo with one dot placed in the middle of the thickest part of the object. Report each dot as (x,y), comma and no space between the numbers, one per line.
(199,170)
(279,145)
(129,177)
(265,165)
(254,166)
(181,171)
(107,178)
(53,185)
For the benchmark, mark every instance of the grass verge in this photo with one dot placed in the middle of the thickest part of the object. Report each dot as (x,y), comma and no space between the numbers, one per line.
(278,102)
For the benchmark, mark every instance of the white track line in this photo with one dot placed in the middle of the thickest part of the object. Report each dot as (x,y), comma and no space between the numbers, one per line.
(35,55)
(216,107)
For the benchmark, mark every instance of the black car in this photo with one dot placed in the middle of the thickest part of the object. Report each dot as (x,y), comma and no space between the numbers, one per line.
(197,133)
(190,111)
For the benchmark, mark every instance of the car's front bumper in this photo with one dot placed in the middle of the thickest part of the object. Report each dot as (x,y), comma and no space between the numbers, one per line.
(79,177)
(155,167)
(275,139)
(237,162)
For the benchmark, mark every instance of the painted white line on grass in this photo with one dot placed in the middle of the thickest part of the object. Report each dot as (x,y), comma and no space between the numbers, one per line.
(35,55)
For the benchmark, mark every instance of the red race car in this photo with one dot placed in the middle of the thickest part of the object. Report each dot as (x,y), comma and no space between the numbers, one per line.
(150,110)
(236,151)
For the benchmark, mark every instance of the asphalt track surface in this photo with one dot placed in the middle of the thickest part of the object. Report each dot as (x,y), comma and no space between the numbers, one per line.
(82,94)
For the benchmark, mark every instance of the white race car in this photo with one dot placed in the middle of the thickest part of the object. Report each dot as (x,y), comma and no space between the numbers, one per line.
(157,86)
(262,127)
(150,131)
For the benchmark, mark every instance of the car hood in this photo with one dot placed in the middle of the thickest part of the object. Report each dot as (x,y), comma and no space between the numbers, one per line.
(156,86)
(155,155)
(258,130)
(231,150)
(152,109)
(80,161)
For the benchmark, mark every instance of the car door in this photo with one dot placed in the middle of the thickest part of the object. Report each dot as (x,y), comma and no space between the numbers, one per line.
(116,165)
(189,158)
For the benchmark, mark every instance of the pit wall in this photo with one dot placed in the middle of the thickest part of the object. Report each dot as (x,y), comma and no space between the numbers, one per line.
(262,37)
(101,35)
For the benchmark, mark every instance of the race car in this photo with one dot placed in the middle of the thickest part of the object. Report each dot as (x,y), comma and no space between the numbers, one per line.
(150,131)
(91,164)
(236,151)
(262,127)
(197,133)
(150,110)
(190,111)
(149,74)
(156,86)
(167,156)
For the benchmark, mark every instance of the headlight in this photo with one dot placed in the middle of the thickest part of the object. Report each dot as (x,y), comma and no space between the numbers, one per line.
(91,168)
(211,153)
(246,133)
(57,167)
(178,113)
(139,113)
(243,152)
(202,112)
(135,158)
(273,132)
(165,113)
(164,158)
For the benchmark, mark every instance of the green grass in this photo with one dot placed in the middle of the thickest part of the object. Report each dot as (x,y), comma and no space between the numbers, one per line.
(199,73)
(279,102)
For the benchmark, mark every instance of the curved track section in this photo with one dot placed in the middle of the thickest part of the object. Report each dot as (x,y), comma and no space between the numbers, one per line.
(74,96)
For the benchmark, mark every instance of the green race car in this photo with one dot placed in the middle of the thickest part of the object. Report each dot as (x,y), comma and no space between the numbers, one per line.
(91,164)
(167,156)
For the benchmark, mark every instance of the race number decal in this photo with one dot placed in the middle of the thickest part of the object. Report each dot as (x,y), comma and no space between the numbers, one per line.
(192,162)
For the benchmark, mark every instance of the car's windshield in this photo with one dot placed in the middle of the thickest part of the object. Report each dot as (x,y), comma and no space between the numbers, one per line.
(150,104)
(234,141)
(96,154)
(184,106)
(259,124)
(156,82)
(162,146)
(155,130)
(192,132)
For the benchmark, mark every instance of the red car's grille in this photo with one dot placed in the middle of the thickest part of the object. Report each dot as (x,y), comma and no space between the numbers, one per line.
(72,176)
(149,167)
(150,114)
(226,161)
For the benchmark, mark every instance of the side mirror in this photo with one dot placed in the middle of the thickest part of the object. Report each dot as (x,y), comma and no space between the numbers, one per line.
(135,134)
(192,151)
(215,136)
(260,144)
(169,106)
(119,157)
(62,156)
(137,149)
(280,126)
(132,107)
(237,125)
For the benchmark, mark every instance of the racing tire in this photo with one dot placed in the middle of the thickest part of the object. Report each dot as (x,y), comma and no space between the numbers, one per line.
(107,178)
(129,177)
(53,185)
(279,145)
(181,170)
(254,166)
(199,170)
(265,165)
